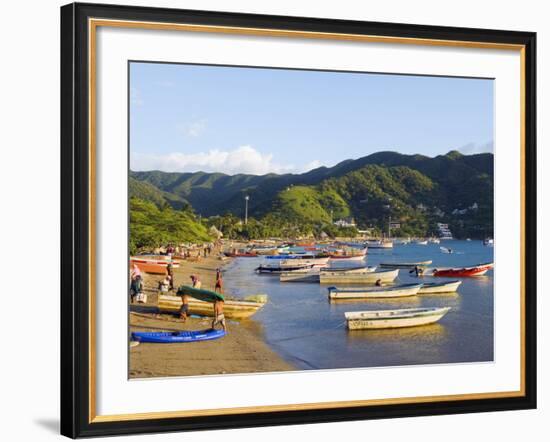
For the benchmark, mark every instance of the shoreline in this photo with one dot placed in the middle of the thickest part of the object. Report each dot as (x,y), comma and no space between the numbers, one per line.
(243,350)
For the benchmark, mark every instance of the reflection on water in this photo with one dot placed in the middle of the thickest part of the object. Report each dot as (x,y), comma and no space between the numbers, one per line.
(309,331)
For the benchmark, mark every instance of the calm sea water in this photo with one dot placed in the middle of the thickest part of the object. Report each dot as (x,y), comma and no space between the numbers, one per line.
(305,329)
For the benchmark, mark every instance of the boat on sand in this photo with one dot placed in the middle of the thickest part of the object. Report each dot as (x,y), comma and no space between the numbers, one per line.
(232,309)
(379,319)
(155,264)
(396,291)
(439,287)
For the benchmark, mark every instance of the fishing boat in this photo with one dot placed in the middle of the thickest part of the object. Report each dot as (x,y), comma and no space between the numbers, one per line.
(408,317)
(241,254)
(349,254)
(478,270)
(346,258)
(232,309)
(396,291)
(441,287)
(304,275)
(357,269)
(405,265)
(421,242)
(384,276)
(379,244)
(281,267)
(178,337)
(156,264)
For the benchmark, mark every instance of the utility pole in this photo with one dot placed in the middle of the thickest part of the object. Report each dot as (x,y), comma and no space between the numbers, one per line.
(246,198)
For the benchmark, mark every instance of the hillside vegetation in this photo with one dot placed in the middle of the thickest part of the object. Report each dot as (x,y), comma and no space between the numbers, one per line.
(414,190)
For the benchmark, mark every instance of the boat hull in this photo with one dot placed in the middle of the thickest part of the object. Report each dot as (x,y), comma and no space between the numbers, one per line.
(404,265)
(386,320)
(154,266)
(445,287)
(373,293)
(358,278)
(232,309)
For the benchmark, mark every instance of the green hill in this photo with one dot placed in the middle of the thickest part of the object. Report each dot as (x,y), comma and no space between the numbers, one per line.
(151,226)
(414,189)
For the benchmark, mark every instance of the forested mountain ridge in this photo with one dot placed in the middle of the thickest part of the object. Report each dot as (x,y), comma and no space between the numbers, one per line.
(412,189)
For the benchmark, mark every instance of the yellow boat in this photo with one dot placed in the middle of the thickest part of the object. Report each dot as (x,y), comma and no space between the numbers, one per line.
(232,309)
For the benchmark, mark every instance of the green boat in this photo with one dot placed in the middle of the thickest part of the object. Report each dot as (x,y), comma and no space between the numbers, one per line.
(200,294)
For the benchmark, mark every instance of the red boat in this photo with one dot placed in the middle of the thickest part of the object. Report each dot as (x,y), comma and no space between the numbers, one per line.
(478,270)
(239,254)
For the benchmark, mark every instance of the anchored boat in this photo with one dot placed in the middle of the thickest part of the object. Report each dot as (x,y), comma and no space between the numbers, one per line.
(442,287)
(395,291)
(478,270)
(409,317)
(335,277)
(405,265)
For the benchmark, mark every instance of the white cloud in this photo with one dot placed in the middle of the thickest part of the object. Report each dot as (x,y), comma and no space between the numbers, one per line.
(244,159)
(310,166)
(473,148)
(194,128)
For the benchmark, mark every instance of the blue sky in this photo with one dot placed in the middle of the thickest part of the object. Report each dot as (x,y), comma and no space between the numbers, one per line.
(187,118)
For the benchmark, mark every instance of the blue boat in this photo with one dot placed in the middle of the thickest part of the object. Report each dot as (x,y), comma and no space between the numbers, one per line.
(176,337)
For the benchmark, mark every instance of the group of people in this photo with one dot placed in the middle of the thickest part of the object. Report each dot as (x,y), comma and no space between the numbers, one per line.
(167,285)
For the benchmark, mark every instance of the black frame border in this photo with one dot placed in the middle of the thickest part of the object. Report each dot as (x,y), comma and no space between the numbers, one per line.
(75,220)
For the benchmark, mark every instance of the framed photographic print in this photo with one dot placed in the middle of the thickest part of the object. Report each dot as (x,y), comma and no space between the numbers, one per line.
(274,220)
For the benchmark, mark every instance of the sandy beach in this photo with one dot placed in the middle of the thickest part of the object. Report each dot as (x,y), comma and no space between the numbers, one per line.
(242,350)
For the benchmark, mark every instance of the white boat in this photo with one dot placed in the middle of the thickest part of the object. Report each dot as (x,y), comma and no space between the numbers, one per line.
(408,317)
(344,258)
(383,276)
(379,244)
(396,291)
(358,269)
(434,240)
(405,265)
(443,287)
(311,275)
(421,242)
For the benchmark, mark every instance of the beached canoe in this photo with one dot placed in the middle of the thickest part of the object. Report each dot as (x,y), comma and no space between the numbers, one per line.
(478,270)
(379,319)
(383,276)
(155,264)
(200,294)
(177,337)
(396,291)
(442,287)
(405,265)
(232,309)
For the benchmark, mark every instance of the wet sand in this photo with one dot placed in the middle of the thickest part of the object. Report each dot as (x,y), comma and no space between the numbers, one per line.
(242,350)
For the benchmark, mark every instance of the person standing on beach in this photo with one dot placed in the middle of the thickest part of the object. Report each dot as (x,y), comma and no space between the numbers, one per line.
(135,285)
(219,317)
(184,309)
(170,275)
(196,282)
(219,281)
